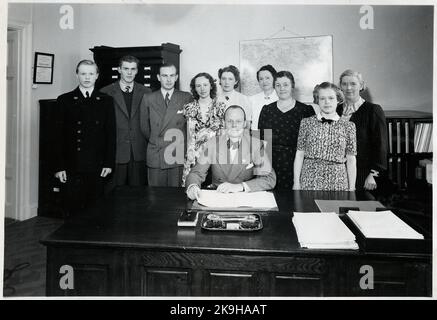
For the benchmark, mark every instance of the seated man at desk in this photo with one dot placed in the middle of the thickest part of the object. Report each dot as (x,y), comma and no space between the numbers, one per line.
(239,162)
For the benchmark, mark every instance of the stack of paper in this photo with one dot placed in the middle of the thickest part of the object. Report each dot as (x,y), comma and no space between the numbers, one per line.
(382,224)
(322,230)
(261,200)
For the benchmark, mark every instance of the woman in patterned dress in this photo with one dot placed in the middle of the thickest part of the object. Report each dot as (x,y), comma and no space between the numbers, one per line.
(204,118)
(326,147)
(283,119)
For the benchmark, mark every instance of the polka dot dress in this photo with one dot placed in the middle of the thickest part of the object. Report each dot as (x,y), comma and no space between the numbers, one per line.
(285,130)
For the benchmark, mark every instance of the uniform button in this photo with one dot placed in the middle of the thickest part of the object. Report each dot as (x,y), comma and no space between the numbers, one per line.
(78,131)
(78,140)
(79,122)
(78,149)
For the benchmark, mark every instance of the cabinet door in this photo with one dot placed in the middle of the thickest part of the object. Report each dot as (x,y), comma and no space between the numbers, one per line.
(165,282)
(293,285)
(229,283)
(89,272)
(389,279)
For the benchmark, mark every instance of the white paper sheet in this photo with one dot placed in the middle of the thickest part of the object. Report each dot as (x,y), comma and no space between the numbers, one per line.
(323,230)
(261,199)
(382,224)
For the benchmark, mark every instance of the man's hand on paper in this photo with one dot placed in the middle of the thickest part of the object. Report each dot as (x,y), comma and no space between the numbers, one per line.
(227,187)
(193,192)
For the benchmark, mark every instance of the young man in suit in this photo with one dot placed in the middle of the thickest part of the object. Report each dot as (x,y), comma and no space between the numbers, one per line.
(239,162)
(164,125)
(84,146)
(130,158)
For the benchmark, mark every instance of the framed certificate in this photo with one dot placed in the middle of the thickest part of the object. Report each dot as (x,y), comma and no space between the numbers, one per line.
(43,68)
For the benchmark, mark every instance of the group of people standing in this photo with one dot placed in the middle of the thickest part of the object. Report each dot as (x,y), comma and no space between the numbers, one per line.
(118,136)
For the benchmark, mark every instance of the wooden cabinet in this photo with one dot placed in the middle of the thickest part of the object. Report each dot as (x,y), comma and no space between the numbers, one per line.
(150,59)
(107,272)
(130,244)
(49,188)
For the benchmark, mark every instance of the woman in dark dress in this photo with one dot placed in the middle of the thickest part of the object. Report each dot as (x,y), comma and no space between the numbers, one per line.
(283,119)
(371,130)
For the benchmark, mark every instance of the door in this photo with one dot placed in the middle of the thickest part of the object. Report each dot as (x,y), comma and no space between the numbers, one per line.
(11,128)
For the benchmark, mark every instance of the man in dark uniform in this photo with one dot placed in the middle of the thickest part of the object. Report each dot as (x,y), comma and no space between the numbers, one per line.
(84,147)
(130,159)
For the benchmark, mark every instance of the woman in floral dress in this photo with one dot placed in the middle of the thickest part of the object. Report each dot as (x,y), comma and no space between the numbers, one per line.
(204,118)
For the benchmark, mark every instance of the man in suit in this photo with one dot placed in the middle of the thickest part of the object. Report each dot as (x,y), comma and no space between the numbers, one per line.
(164,125)
(130,156)
(84,142)
(239,163)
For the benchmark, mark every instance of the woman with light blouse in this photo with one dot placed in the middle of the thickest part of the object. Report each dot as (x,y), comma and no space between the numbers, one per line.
(265,76)
(229,81)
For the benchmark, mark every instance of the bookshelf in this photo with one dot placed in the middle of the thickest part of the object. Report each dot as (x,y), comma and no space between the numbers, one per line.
(409,141)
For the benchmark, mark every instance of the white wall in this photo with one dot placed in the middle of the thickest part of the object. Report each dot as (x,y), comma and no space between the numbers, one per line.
(396,57)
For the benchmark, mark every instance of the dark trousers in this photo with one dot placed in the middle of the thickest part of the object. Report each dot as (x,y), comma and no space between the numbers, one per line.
(133,173)
(171,177)
(81,191)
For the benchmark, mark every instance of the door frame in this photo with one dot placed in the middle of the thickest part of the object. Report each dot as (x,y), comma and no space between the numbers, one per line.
(25,207)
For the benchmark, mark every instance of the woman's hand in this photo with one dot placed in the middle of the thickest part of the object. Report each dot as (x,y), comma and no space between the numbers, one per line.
(370,183)
(296,186)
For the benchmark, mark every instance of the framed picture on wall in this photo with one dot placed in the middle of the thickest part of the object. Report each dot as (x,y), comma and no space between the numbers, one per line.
(43,68)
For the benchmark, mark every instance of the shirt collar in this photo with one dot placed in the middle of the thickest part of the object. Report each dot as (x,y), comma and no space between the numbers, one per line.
(228,94)
(271,97)
(336,117)
(123,86)
(164,92)
(84,90)
(355,105)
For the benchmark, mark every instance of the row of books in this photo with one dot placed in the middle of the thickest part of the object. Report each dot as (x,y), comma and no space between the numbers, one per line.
(398,170)
(399,137)
(423,137)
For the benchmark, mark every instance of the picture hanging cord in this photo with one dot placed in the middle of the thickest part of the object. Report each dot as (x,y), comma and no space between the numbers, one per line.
(283,29)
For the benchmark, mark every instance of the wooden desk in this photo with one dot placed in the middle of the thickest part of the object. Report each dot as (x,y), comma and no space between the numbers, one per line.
(130,245)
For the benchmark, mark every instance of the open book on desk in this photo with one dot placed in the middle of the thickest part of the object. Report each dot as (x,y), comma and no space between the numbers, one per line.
(239,201)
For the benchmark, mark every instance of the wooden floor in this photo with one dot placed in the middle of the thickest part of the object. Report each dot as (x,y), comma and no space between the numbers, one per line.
(24,253)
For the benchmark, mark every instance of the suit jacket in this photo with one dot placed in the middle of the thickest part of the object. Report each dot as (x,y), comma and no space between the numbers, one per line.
(252,166)
(128,127)
(84,132)
(155,120)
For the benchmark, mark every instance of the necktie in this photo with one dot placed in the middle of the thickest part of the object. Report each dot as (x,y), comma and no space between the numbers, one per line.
(167,100)
(127,89)
(87,94)
(327,120)
(233,145)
